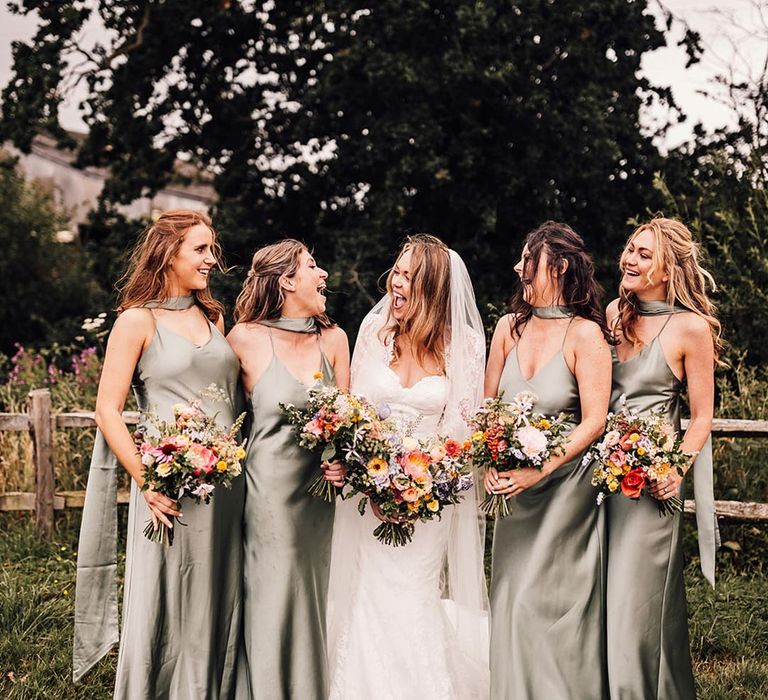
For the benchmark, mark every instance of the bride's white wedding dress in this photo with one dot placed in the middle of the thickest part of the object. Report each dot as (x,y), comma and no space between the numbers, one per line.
(394,631)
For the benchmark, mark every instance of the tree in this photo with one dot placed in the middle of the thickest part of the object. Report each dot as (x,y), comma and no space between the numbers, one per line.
(45,286)
(349,124)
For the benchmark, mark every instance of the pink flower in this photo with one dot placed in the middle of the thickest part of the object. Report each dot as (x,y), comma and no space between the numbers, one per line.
(314,428)
(612,438)
(201,458)
(416,464)
(166,450)
(532,441)
(618,457)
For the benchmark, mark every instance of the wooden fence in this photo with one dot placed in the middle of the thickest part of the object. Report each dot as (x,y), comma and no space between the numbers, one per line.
(42,423)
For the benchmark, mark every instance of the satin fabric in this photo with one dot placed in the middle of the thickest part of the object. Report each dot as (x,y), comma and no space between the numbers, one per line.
(546,587)
(646,613)
(181,604)
(287,544)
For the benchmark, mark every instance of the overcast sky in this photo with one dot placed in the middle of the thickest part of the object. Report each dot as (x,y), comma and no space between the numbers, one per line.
(663,67)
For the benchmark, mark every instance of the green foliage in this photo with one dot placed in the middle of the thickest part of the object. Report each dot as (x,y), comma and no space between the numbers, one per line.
(474,121)
(45,286)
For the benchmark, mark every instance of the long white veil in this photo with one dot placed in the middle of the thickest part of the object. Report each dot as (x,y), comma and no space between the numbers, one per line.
(465,594)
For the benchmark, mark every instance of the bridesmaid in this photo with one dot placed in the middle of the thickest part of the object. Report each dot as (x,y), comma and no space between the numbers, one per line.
(546,591)
(285,344)
(666,336)
(181,605)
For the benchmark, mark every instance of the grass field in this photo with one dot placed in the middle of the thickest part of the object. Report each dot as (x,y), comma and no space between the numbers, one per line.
(729,626)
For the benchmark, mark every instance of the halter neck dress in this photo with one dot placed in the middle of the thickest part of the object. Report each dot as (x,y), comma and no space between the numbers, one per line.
(181,604)
(546,584)
(287,546)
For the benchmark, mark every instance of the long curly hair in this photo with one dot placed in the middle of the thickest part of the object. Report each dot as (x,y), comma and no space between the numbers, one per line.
(577,284)
(427,316)
(146,278)
(262,297)
(677,255)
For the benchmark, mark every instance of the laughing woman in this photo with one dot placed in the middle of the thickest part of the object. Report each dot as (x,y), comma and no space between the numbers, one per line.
(181,606)
(667,336)
(285,344)
(546,594)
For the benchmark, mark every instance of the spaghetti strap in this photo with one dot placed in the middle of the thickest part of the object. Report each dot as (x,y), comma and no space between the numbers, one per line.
(567,328)
(271,341)
(658,335)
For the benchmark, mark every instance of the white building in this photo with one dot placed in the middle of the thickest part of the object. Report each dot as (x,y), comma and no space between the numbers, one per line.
(77,189)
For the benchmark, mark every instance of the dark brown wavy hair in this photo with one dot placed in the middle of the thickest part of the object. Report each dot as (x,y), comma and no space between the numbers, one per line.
(577,285)
(262,297)
(428,314)
(146,278)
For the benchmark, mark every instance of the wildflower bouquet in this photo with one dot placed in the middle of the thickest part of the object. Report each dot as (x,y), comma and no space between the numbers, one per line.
(511,436)
(412,481)
(189,457)
(340,424)
(635,452)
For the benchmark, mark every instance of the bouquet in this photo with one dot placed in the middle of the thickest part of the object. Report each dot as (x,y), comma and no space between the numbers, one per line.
(190,456)
(635,452)
(335,422)
(409,481)
(510,436)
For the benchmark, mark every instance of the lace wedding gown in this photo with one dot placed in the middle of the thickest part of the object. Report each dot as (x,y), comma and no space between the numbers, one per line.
(392,634)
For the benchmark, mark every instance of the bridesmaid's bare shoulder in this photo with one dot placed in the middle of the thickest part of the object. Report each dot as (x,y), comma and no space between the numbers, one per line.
(247,337)
(612,311)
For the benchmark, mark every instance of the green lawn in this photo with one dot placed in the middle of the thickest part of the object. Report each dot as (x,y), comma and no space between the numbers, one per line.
(729,626)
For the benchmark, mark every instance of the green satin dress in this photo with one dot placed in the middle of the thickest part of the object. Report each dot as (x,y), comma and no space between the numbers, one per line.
(546,590)
(287,544)
(181,604)
(646,614)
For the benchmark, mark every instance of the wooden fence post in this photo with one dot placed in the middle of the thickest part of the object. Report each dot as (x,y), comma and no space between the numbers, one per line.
(42,430)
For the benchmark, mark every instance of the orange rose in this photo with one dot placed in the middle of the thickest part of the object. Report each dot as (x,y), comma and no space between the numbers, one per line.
(633,483)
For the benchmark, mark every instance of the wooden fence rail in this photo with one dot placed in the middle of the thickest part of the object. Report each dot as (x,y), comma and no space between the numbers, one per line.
(42,423)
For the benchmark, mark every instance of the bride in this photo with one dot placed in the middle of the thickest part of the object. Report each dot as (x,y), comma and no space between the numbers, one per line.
(412,621)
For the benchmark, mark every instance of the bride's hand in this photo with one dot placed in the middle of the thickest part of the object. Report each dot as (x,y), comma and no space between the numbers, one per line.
(513,483)
(380,515)
(491,480)
(335,472)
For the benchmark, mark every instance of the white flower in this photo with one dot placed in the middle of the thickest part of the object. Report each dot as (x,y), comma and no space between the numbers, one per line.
(203,490)
(147,459)
(532,441)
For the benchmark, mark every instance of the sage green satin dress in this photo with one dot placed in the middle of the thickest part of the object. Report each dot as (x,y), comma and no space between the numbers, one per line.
(181,604)
(287,541)
(646,612)
(546,586)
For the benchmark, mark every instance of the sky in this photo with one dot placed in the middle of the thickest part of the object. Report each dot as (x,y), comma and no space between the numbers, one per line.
(715,22)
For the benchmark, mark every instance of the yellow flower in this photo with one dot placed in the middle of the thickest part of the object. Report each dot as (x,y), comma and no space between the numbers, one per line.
(221,465)
(479,436)
(377,466)
(240,453)
(544,424)
(414,506)
(634,437)
(615,470)
(433,505)
(641,451)
(317,375)
(613,485)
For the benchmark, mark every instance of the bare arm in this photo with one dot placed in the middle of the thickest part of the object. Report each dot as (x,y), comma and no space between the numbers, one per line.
(130,336)
(497,356)
(699,366)
(339,345)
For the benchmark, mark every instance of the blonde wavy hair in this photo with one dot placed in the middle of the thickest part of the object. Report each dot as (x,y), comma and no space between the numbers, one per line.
(677,255)
(146,278)
(262,297)
(427,316)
